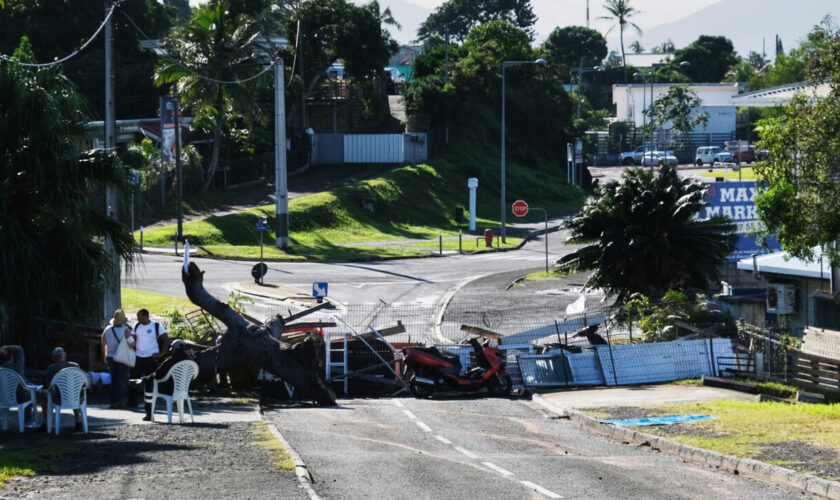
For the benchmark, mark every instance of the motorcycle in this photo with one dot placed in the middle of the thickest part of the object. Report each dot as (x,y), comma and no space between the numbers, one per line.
(430,370)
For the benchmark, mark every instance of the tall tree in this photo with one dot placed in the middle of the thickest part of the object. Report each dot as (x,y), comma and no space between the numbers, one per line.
(620,13)
(51,204)
(457,17)
(637,47)
(640,235)
(709,58)
(213,47)
(575,45)
(332,30)
(802,172)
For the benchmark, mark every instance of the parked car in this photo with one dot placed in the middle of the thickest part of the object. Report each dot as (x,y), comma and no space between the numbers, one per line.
(634,157)
(657,158)
(760,154)
(711,155)
(741,151)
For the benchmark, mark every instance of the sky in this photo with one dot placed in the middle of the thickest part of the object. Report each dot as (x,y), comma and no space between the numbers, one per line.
(553,13)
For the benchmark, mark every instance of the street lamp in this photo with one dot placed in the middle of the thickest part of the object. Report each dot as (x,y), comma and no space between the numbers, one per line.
(580,70)
(505,65)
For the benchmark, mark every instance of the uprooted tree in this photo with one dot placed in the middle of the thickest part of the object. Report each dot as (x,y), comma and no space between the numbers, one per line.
(246,344)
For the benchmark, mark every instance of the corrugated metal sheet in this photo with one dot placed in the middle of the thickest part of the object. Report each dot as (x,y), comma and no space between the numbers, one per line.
(373,148)
(661,362)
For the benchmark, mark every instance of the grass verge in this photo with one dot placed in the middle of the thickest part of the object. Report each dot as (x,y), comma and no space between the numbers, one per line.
(468,244)
(27,457)
(410,202)
(157,303)
(280,457)
(747,174)
(552,274)
(747,428)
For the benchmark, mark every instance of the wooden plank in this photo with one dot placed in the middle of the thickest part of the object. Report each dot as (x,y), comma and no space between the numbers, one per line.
(686,326)
(385,332)
(803,355)
(481,332)
(313,325)
(820,373)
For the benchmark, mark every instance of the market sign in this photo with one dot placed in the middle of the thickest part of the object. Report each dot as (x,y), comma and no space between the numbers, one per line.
(736,200)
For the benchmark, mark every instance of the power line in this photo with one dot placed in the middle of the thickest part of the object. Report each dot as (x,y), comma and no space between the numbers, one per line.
(195,71)
(72,54)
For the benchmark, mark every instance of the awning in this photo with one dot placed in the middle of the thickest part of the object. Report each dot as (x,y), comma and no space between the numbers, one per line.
(780,96)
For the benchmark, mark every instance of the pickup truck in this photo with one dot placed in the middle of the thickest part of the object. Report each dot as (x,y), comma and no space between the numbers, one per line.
(634,157)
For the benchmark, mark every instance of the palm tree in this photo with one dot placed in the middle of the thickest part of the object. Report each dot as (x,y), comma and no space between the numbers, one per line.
(641,236)
(52,207)
(385,16)
(210,50)
(621,12)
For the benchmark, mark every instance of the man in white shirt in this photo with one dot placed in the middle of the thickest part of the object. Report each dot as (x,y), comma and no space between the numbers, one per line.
(151,342)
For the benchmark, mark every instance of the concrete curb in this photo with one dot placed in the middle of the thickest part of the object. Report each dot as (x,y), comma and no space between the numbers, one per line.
(280,298)
(743,466)
(301,471)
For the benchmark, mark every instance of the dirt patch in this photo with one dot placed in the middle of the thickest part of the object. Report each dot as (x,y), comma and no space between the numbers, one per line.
(797,455)
(804,457)
(197,461)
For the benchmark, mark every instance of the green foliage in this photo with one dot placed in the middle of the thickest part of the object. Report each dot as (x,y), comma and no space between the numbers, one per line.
(458,17)
(640,236)
(776,389)
(575,45)
(239,302)
(678,106)
(658,320)
(55,28)
(710,57)
(52,218)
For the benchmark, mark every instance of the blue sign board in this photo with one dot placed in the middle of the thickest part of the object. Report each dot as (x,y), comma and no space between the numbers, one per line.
(135,177)
(737,201)
(319,289)
(261,225)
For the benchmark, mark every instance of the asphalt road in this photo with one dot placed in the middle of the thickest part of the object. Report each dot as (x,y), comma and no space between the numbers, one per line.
(484,448)
(426,280)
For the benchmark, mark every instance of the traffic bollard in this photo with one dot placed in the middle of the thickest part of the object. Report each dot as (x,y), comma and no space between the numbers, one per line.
(176,241)
(141,238)
(440,242)
(460,241)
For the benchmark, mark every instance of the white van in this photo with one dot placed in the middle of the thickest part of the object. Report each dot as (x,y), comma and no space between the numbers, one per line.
(710,155)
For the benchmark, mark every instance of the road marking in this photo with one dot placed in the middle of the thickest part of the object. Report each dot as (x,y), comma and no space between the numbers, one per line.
(423,426)
(491,465)
(398,403)
(443,440)
(466,452)
(409,414)
(540,489)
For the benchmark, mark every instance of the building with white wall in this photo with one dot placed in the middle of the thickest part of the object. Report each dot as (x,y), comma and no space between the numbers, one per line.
(717,100)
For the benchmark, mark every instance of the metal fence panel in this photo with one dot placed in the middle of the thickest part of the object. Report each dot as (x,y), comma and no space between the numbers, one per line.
(373,148)
(662,361)
(415,148)
(327,149)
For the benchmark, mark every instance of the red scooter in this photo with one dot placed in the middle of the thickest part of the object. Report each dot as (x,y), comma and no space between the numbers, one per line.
(430,370)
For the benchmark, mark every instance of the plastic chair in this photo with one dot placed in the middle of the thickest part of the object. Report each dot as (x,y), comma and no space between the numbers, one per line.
(181,373)
(70,382)
(10,380)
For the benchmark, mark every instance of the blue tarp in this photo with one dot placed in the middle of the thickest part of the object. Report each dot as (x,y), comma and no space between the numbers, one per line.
(671,419)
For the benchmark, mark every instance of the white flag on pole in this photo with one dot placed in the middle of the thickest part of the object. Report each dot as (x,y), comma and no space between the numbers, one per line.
(578,306)
(186,255)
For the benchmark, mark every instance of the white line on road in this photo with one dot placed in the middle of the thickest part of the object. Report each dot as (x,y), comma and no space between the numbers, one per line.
(409,414)
(540,489)
(398,403)
(443,440)
(466,452)
(423,426)
(491,465)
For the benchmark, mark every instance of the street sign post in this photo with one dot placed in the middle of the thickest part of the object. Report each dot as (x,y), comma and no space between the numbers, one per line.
(319,290)
(261,228)
(520,208)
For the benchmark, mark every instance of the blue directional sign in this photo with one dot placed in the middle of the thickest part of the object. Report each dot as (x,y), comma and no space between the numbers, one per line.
(135,177)
(319,289)
(261,224)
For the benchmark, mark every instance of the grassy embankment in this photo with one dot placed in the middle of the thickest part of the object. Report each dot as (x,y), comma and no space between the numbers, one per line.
(410,202)
(747,174)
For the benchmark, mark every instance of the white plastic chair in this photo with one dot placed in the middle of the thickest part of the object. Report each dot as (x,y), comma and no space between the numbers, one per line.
(9,382)
(70,382)
(181,373)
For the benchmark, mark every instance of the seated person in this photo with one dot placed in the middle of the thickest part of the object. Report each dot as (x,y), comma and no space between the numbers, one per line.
(178,352)
(11,357)
(59,357)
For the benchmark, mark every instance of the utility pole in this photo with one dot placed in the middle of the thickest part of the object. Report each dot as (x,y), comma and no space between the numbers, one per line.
(112,299)
(587,13)
(178,170)
(281,192)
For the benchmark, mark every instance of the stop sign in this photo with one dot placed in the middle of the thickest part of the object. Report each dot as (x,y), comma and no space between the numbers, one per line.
(520,208)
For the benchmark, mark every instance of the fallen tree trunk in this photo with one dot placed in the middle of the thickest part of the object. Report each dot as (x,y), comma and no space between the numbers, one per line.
(250,345)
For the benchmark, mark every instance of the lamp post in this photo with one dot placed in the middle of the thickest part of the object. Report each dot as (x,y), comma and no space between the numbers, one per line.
(506,65)
(580,70)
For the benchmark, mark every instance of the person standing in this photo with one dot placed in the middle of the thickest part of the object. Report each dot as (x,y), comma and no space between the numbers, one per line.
(151,342)
(111,337)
